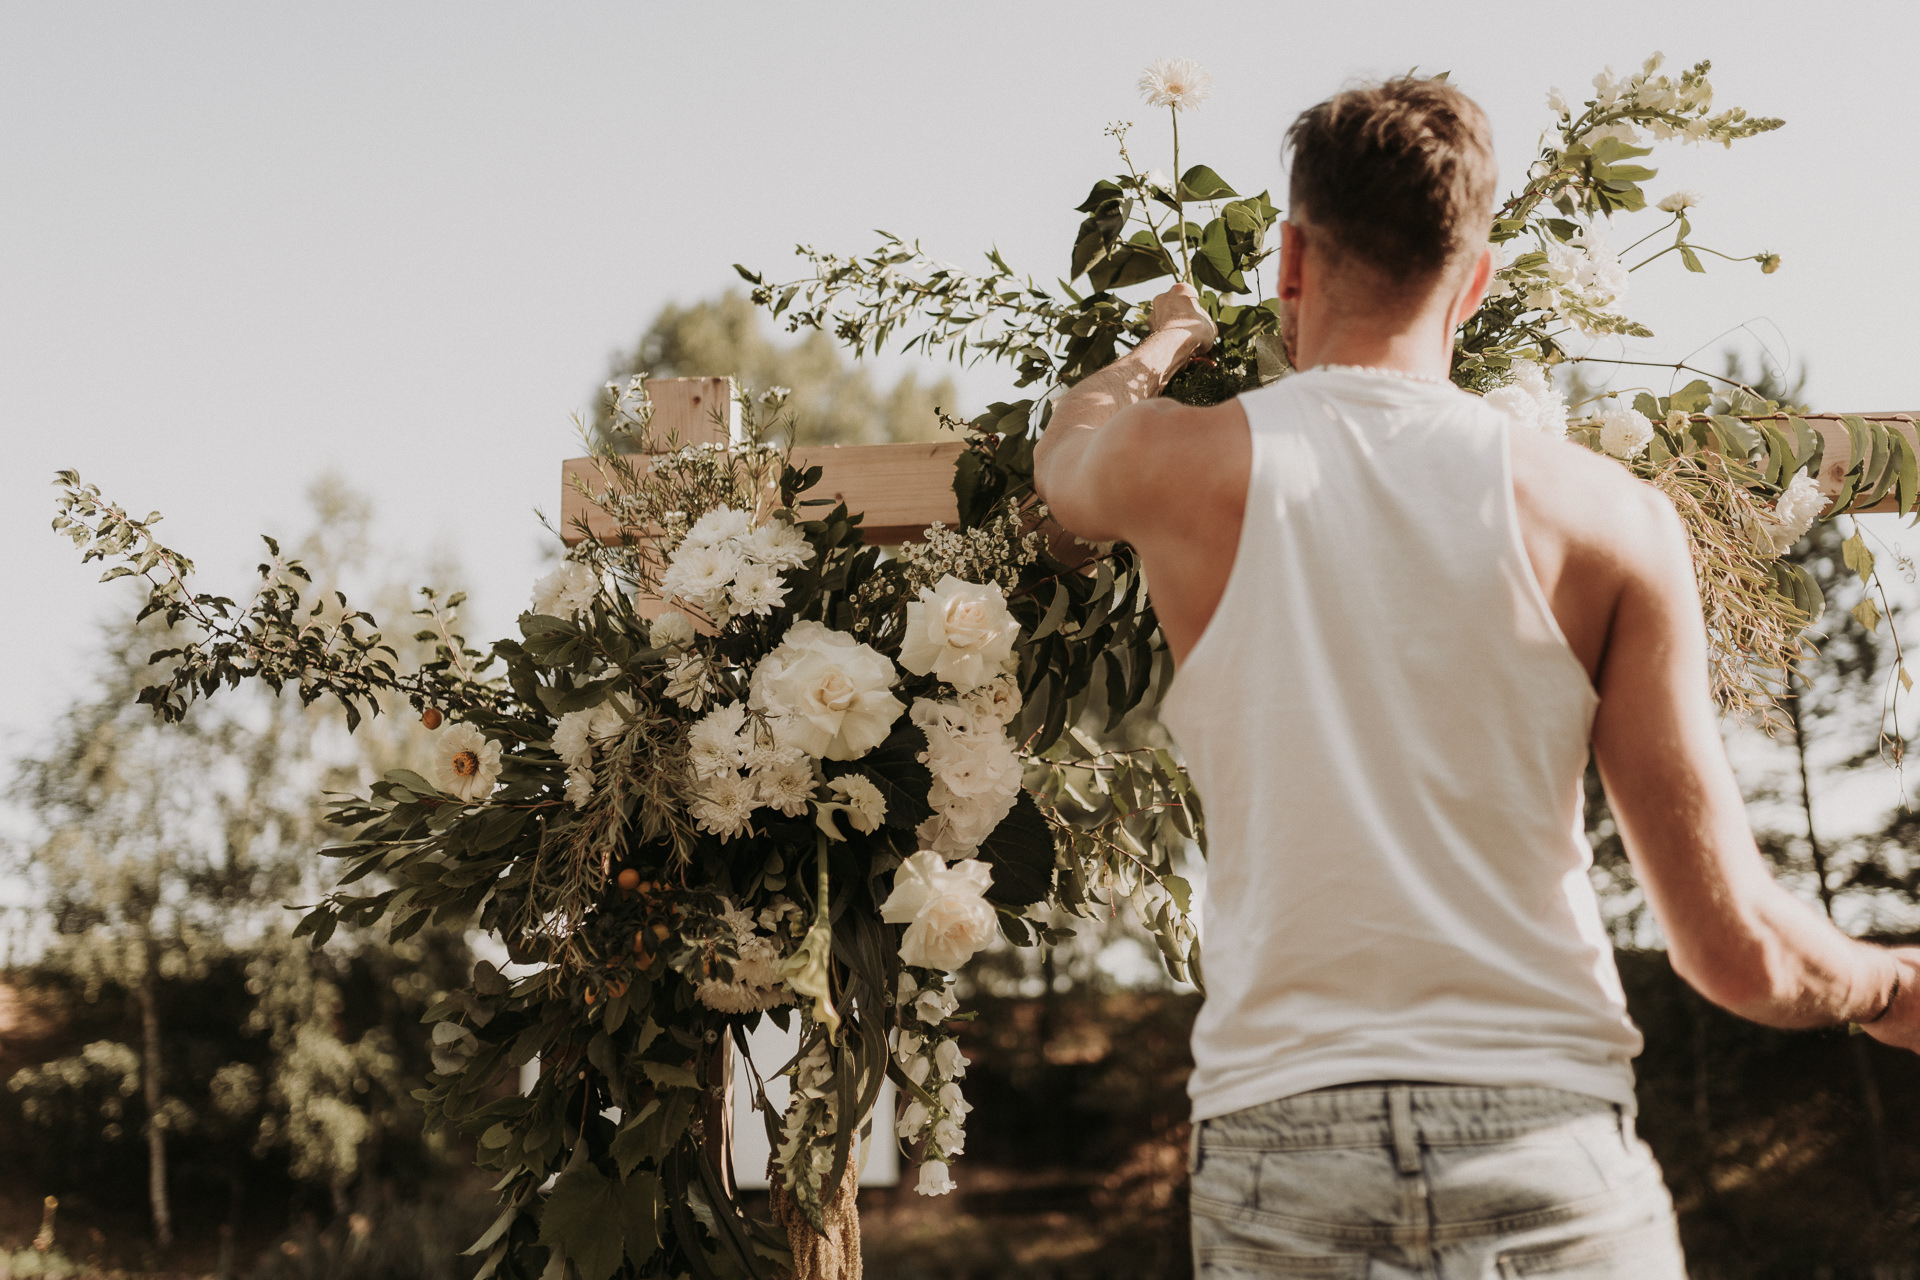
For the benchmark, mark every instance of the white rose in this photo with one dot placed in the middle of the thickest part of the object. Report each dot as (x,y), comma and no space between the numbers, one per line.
(948,1059)
(934,1180)
(466,763)
(961,632)
(826,693)
(947,917)
(566,591)
(1624,432)
(671,630)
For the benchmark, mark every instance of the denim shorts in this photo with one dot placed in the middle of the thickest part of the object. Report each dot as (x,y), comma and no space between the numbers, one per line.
(1393,1181)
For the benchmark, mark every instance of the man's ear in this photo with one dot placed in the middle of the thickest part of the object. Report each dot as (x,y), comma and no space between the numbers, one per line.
(1293,254)
(1473,290)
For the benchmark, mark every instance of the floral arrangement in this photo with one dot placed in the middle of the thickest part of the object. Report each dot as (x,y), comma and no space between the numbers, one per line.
(739,764)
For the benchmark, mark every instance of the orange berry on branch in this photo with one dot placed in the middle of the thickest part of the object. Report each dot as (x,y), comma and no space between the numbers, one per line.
(431,717)
(628,880)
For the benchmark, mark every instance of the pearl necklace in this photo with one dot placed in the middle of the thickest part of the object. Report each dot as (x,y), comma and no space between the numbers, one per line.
(1401,374)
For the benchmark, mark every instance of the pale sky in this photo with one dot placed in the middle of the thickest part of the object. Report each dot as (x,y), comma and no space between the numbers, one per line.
(241,244)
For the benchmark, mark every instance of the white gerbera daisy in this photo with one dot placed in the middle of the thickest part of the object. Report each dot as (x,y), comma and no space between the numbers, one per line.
(1180,83)
(466,763)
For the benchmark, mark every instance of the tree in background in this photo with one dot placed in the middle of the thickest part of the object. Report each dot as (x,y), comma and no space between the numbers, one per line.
(165,858)
(830,402)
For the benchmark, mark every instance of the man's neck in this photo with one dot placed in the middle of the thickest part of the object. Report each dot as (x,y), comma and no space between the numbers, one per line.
(1416,350)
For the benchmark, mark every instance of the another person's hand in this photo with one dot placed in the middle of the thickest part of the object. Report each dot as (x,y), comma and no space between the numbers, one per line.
(1178,310)
(1901,1025)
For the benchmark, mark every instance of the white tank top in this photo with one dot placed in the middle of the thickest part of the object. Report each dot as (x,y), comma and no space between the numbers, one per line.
(1388,731)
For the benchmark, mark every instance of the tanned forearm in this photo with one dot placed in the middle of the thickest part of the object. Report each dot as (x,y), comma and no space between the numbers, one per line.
(1090,404)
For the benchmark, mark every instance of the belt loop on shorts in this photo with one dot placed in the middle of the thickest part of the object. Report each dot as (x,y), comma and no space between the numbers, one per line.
(1406,1144)
(1193,1148)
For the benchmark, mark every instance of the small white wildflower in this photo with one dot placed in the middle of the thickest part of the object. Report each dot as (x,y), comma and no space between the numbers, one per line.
(1625,433)
(1180,83)
(1155,180)
(948,1059)
(671,630)
(1675,201)
(951,1098)
(1606,89)
(949,1137)
(1557,103)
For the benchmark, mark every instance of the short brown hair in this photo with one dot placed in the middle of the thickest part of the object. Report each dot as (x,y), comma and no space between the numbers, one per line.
(1398,176)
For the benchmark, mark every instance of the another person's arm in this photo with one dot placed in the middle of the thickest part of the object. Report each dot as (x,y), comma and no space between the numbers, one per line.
(1738,937)
(1082,466)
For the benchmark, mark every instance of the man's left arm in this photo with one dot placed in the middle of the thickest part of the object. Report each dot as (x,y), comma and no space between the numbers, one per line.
(1083,467)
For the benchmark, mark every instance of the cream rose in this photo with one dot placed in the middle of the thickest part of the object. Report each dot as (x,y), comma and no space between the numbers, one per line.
(825,693)
(961,632)
(946,914)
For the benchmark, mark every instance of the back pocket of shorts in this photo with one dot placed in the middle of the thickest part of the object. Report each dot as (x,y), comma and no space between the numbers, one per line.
(1237,1262)
(1642,1253)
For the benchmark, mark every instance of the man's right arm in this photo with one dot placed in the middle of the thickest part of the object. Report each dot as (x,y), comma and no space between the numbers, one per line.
(1733,933)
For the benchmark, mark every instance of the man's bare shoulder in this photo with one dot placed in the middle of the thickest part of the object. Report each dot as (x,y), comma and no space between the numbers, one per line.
(1592,504)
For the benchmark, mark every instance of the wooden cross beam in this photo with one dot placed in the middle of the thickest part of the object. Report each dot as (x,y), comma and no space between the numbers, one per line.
(903,488)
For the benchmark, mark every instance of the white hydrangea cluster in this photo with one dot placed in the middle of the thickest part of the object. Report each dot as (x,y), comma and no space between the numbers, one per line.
(576,737)
(1624,433)
(727,567)
(931,1059)
(976,773)
(739,767)
(756,983)
(1795,511)
(1580,279)
(1532,400)
(567,591)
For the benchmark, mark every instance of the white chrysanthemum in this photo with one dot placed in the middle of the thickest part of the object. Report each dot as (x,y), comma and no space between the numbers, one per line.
(1796,511)
(723,805)
(1180,83)
(1675,201)
(700,573)
(826,693)
(866,807)
(579,785)
(718,734)
(720,525)
(787,786)
(671,630)
(960,632)
(1625,433)
(777,544)
(688,682)
(757,590)
(944,908)
(1532,400)
(566,591)
(466,763)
